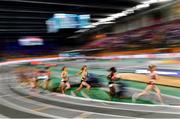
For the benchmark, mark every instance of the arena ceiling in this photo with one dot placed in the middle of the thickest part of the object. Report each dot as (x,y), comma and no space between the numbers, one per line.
(27,17)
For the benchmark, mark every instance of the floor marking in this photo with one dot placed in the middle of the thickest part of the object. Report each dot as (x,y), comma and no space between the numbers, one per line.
(77,110)
(41,108)
(23,109)
(3,117)
(162,111)
(83,115)
(24,97)
(29,96)
(1,96)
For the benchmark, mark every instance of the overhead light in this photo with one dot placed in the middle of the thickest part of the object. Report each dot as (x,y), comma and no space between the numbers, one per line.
(81,30)
(59,15)
(164,0)
(89,26)
(112,17)
(107,19)
(155,1)
(96,23)
(127,12)
(119,15)
(149,1)
(100,23)
(141,6)
(108,22)
(130,11)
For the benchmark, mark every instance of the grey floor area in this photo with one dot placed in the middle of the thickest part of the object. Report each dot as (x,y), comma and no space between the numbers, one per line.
(19,102)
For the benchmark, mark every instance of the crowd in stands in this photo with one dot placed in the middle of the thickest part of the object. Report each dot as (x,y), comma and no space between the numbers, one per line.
(157,36)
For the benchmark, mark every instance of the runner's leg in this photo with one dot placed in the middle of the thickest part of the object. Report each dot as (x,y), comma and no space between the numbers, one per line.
(62,85)
(145,92)
(80,87)
(68,86)
(87,85)
(158,93)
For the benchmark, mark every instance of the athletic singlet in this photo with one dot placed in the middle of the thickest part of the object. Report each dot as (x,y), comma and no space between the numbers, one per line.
(84,77)
(152,78)
(65,78)
(42,75)
(111,77)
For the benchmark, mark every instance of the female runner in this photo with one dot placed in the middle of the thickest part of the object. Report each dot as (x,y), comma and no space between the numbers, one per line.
(151,85)
(112,77)
(116,88)
(65,85)
(47,80)
(42,75)
(84,75)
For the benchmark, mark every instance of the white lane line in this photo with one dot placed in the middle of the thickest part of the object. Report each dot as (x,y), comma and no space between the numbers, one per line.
(140,110)
(141,105)
(80,111)
(83,115)
(6,95)
(123,107)
(23,109)
(156,105)
(110,102)
(41,108)
(3,117)
(27,100)
(63,108)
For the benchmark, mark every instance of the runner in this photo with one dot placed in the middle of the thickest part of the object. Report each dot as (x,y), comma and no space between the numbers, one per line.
(84,76)
(42,75)
(65,85)
(151,85)
(47,74)
(111,77)
(115,89)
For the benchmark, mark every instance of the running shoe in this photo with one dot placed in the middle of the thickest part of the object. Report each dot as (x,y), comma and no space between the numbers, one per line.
(134,98)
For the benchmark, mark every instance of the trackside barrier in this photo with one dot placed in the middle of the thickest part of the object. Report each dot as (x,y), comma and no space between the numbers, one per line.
(165,55)
(29,60)
(161,72)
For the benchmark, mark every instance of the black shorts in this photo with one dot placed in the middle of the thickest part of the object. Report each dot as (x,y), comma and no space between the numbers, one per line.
(111,82)
(151,83)
(83,79)
(64,81)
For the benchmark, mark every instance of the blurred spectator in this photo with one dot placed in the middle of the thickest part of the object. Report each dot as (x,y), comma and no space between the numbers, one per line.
(164,35)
